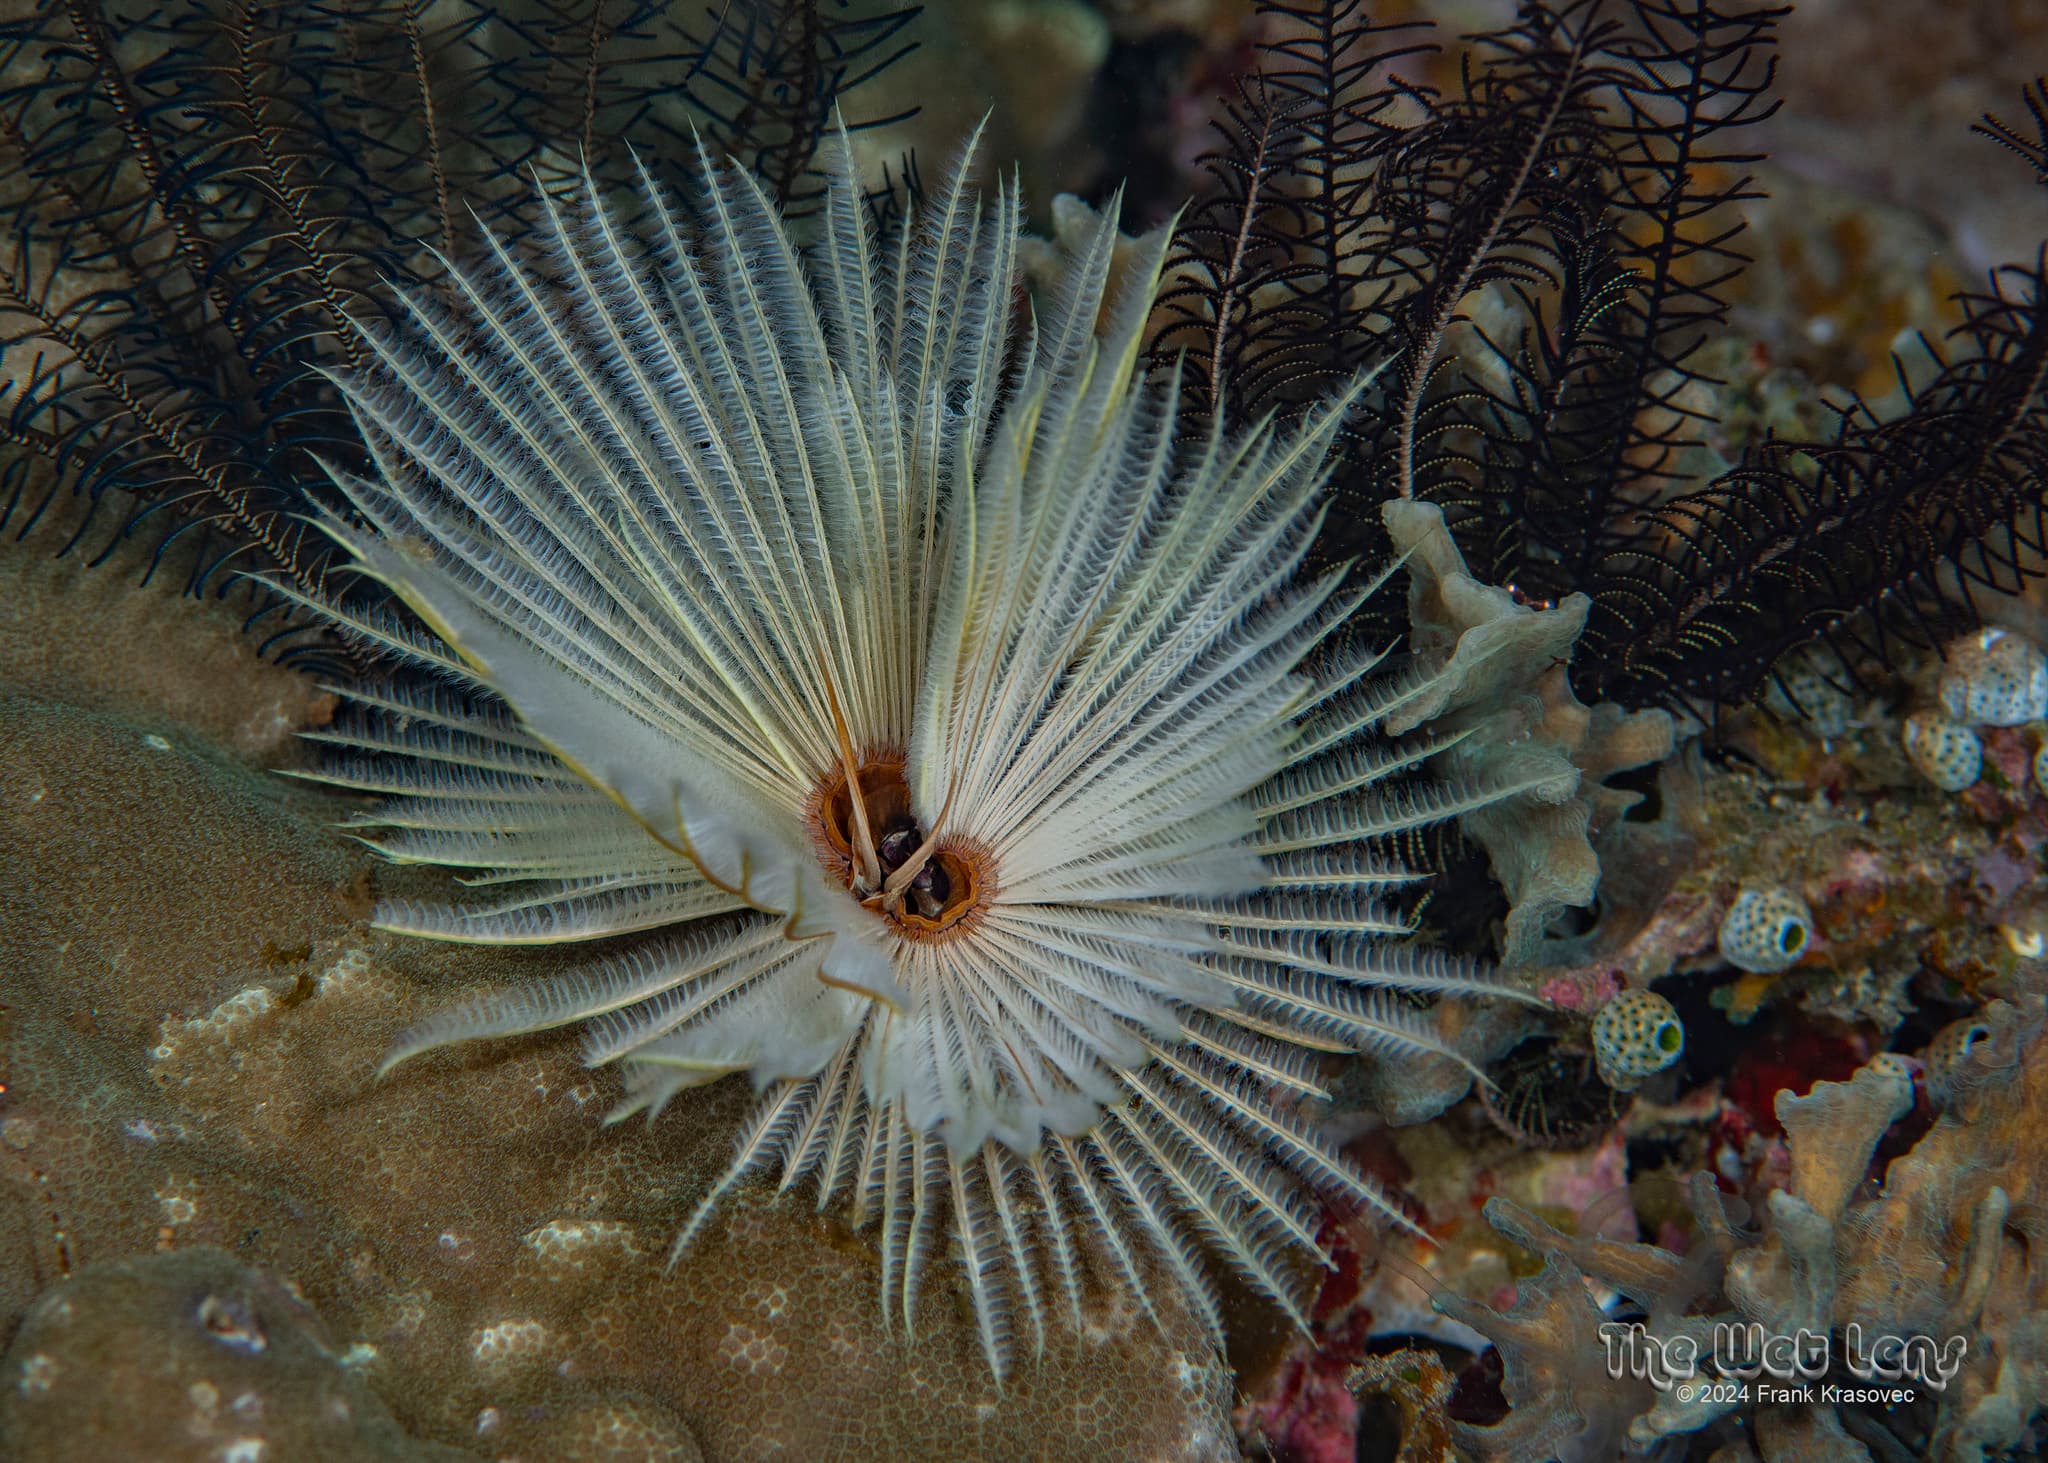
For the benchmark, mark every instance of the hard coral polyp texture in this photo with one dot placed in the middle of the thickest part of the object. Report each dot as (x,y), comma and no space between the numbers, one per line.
(187,1357)
(193,1017)
(117,649)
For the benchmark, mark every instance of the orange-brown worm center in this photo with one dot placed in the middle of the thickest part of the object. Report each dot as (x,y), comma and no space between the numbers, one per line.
(946,897)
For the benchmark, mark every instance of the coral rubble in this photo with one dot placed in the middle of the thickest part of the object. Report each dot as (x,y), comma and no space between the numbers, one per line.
(1947,1250)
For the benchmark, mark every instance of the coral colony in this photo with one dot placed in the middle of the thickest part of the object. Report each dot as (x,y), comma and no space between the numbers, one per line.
(1371,820)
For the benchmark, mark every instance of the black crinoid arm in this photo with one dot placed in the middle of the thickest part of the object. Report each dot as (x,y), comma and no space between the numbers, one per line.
(1529,247)
(1881,536)
(1885,535)
(1542,249)
(206,204)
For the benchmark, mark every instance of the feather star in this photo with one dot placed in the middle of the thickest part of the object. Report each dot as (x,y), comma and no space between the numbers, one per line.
(941,727)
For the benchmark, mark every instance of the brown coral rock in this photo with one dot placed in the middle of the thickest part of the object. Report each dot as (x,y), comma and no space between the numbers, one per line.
(183,1356)
(144,651)
(193,1014)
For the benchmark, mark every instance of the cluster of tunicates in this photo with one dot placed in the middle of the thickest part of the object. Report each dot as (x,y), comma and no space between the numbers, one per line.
(1990,678)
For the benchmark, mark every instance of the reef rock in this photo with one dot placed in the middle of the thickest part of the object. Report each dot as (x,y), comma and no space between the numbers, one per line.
(209,1361)
(1947,1249)
(193,1015)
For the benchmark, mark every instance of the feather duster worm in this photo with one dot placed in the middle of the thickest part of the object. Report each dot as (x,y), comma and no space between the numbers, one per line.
(938,726)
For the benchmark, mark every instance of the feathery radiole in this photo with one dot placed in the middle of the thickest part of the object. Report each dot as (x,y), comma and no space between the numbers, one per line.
(937,723)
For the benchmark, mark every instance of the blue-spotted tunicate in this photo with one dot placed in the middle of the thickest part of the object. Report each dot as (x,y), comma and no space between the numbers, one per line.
(1993,678)
(1636,1035)
(1945,752)
(1766,931)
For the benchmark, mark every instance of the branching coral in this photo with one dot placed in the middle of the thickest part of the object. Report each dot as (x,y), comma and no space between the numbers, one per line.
(1944,1250)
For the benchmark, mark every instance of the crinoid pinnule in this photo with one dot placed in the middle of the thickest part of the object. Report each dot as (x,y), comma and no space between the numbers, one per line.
(936,721)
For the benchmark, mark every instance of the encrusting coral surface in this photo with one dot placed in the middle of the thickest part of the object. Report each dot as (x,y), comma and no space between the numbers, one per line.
(194,1010)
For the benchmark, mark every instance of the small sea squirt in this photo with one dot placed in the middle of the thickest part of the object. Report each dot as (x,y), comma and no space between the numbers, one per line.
(1635,1036)
(1765,931)
(1946,753)
(1994,678)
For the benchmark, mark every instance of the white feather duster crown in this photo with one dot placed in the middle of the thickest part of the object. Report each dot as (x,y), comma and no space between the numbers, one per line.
(936,722)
